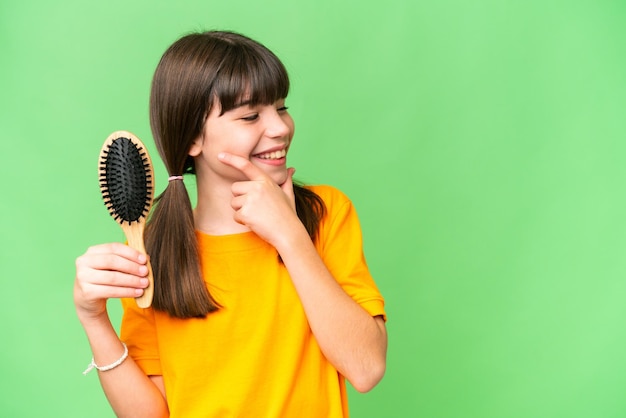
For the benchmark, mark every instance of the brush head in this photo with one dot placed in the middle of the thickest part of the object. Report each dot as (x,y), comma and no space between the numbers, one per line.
(126,177)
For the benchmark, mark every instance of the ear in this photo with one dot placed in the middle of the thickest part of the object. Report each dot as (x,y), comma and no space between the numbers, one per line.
(196,146)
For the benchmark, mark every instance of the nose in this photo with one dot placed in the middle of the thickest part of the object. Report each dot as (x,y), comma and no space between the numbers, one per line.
(278,124)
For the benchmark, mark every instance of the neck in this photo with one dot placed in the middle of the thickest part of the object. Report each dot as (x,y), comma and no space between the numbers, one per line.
(213,214)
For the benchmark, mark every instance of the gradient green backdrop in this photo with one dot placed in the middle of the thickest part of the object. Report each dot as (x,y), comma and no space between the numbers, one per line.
(483,143)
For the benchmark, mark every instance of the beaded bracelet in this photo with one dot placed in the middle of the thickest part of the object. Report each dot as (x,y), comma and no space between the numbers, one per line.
(93,364)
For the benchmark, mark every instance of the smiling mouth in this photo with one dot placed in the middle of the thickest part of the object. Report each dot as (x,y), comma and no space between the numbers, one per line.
(275,155)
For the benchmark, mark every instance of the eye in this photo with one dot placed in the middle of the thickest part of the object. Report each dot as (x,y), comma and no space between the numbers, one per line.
(282,109)
(251,118)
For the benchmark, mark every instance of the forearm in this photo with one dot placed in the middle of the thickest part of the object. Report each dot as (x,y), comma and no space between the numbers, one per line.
(352,340)
(130,392)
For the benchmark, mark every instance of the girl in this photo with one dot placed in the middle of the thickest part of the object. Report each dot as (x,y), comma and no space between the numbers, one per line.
(263,301)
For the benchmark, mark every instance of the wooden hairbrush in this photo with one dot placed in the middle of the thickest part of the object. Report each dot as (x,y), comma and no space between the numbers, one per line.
(126,182)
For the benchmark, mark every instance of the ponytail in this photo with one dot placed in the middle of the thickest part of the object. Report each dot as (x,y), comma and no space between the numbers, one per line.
(171,242)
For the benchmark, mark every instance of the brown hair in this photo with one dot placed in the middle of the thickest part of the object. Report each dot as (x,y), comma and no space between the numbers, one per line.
(193,73)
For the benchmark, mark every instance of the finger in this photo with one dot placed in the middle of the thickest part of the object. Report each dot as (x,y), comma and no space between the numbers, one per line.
(119,249)
(240,188)
(92,285)
(117,279)
(110,262)
(239,218)
(238,202)
(90,291)
(287,186)
(242,164)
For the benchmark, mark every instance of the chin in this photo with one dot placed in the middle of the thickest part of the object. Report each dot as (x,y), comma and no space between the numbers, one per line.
(280,179)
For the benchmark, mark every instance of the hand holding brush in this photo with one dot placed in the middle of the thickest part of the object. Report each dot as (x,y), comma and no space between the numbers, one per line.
(126,182)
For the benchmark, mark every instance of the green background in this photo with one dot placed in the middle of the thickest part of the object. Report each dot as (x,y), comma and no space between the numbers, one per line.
(483,143)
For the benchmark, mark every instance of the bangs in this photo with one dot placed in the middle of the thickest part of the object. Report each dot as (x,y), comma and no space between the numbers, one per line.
(249,75)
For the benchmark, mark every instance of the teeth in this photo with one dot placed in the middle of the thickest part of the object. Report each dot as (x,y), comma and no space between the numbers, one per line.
(272,155)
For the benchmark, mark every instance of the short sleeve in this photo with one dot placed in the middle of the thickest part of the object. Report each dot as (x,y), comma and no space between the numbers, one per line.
(138,331)
(341,248)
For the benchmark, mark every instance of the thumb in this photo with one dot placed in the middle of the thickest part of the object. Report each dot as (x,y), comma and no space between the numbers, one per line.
(287,186)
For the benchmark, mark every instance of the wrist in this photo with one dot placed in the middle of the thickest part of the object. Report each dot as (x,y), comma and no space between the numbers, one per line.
(90,319)
(107,367)
(295,238)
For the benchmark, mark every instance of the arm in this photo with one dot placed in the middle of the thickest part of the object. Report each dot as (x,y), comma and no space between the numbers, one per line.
(352,340)
(115,271)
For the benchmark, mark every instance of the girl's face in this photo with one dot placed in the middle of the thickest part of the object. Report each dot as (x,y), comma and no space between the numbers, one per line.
(260,133)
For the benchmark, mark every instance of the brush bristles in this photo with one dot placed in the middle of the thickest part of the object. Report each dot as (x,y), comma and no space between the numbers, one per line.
(126,180)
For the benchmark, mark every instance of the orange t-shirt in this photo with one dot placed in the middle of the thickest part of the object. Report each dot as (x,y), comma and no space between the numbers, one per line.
(256,356)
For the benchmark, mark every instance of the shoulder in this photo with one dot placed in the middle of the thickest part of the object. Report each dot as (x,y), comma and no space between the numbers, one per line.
(331,196)
(340,214)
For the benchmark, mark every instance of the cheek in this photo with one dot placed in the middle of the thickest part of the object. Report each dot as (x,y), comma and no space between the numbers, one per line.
(231,145)
(242,143)
(292,126)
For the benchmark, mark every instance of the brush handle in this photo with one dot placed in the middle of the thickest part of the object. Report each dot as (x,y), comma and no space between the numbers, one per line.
(134,235)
